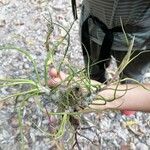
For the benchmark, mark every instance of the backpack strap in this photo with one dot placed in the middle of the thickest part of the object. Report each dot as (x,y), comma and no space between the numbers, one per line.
(105,51)
(74,9)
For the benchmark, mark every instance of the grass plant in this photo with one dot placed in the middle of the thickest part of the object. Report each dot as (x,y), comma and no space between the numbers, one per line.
(74,94)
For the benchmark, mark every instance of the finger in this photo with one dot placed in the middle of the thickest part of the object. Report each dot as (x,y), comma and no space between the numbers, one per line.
(62,75)
(54,82)
(53,72)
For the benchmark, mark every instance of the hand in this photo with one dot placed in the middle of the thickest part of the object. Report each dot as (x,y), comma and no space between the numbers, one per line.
(58,77)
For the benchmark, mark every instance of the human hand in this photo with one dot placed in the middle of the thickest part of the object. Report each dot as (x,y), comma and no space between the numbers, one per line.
(58,77)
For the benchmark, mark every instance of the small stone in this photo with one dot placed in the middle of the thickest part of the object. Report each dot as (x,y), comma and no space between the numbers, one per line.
(1,137)
(135,140)
(148,142)
(18,23)
(13,121)
(132,146)
(2,22)
(28,123)
(4,91)
(141,146)
(58,5)
(4,2)
(26,66)
(1,106)
(34,116)
(40,3)
(20,67)
(6,135)
(112,114)
(45,122)
(32,135)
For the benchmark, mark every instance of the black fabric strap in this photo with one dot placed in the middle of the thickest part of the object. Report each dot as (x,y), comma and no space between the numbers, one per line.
(105,51)
(74,9)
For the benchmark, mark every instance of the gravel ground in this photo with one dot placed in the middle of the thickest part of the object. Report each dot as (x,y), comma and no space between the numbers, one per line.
(23,24)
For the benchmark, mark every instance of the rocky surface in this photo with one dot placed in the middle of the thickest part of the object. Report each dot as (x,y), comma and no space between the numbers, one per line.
(23,24)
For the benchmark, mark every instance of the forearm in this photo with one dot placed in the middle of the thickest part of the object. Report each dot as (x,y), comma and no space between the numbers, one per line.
(126,97)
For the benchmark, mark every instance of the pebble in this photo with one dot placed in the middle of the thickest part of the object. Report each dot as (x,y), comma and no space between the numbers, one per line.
(132,146)
(20,66)
(1,137)
(26,66)
(112,114)
(45,122)
(148,141)
(32,135)
(13,120)
(141,146)
(2,23)
(6,135)
(18,23)
(4,91)
(4,2)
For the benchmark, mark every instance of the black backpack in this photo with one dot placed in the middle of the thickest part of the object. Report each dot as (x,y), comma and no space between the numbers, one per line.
(105,51)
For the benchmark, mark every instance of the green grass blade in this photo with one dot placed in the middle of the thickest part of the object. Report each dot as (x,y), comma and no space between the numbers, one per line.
(17,80)
(62,127)
(18,94)
(15,83)
(125,35)
(126,59)
(49,59)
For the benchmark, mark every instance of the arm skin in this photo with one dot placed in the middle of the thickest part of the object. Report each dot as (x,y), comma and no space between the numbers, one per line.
(128,97)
